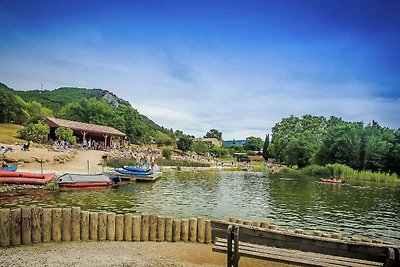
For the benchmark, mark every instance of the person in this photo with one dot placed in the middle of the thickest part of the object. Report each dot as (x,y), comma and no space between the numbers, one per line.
(147,164)
(152,164)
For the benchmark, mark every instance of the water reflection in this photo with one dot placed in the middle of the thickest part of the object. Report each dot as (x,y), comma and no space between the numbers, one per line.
(296,202)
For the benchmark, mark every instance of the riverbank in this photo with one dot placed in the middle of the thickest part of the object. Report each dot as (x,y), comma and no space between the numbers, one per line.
(116,253)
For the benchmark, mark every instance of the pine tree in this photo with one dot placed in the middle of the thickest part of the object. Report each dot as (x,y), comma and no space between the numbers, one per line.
(265,152)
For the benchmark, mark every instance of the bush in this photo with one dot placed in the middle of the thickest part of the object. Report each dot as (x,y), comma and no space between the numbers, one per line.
(34,132)
(166,153)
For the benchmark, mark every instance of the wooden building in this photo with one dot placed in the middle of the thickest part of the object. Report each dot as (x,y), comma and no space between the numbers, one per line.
(91,135)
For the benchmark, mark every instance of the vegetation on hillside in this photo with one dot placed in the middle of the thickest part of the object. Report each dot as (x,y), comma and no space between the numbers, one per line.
(9,133)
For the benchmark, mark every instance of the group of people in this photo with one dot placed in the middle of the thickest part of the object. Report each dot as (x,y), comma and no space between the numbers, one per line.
(149,162)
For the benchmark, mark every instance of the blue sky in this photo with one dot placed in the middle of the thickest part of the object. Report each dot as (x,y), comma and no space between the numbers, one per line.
(237,66)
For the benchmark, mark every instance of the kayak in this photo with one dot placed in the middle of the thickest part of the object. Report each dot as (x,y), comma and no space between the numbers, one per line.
(9,168)
(127,172)
(334,181)
(22,174)
(34,179)
(136,169)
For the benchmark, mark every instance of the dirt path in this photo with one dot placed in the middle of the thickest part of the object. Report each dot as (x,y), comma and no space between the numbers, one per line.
(88,254)
(78,164)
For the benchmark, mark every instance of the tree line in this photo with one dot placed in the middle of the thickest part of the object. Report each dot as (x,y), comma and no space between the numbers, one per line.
(317,140)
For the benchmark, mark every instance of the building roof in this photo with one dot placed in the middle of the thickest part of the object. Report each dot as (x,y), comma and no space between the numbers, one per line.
(81,126)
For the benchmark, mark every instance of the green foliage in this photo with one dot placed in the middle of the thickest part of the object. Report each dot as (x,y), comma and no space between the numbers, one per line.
(200,147)
(220,151)
(184,143)
(265,152)
(162,139)
(35,132)
(253,143)
(346,173)
(183,163)
(65,134)
(166,153)
(311,139)
(214,133)
(12,108)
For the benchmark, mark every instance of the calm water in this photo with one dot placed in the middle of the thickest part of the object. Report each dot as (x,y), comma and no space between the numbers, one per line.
(363,210)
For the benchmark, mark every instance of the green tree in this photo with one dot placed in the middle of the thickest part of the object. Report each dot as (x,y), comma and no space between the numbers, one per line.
(35,132)
(219,151)
(265,152)
(200,147)
(162,138)
(184,143)
(253,143)
(214,133)
(65,134)
(37,112)
(13,108)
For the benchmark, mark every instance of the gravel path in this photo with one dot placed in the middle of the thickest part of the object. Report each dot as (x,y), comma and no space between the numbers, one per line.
(88,254)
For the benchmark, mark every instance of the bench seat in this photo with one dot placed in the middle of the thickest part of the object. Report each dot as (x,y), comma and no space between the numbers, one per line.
(295,257)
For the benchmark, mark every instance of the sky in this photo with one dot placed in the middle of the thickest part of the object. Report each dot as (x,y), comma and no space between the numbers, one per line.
(236,66)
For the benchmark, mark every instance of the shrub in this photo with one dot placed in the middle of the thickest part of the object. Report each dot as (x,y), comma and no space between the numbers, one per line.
(166,153)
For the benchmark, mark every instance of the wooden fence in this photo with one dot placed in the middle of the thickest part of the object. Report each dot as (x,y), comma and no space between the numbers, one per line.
(23,226)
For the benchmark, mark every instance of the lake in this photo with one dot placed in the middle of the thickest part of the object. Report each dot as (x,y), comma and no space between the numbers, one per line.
(366,209)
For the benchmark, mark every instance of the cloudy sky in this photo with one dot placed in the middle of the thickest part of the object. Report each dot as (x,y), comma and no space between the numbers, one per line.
(237,66)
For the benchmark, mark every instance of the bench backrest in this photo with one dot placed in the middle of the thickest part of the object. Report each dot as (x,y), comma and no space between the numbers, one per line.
(273,238)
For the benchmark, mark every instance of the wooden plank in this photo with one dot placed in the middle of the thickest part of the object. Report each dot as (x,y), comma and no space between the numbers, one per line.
(367,251)
(293,257)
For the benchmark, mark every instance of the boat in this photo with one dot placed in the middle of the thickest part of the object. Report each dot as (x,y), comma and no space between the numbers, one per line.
(84,180)
(334,181)
(138,176)
(136,169)
(9,168)
(8,177)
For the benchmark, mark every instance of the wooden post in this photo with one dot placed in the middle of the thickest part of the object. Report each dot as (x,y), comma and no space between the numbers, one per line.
(176,230)
(136,224)
(128,227)
(102,226)
(16,227)
(93,226)
(168,229)
(56,224)
(160,228)
(208,238)
(144,235)
(84,225)
(111,226)
(192,229)
(119,227)
(5,227)
(153,227)
(46,225)
(26,229)
(201,229)
(36,225)
(185,230)
(66,224)
(76,223)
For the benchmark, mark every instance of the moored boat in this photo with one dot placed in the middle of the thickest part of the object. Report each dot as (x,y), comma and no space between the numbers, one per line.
(334,181)
(138,176)
(84,180)
(12,168)
(7,177)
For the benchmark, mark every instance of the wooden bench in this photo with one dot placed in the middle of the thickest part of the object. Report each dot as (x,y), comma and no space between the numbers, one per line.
(247,241)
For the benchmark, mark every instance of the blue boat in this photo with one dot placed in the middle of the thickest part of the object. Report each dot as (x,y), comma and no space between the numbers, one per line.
(9,168)
(136,169)
(126,172)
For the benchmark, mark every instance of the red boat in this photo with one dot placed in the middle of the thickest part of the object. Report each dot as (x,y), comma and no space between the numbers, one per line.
(334,181)
(25,178)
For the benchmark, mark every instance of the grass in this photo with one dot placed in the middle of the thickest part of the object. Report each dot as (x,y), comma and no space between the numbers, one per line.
(119,162)
(346,173)
(8,133)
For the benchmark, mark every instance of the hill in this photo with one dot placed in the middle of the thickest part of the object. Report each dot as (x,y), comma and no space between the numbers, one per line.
(86,105)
